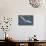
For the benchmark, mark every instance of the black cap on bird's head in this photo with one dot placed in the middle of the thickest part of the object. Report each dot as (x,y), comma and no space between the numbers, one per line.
(34,35)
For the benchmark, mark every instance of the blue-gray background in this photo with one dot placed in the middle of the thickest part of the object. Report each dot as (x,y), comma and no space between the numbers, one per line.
(27,17)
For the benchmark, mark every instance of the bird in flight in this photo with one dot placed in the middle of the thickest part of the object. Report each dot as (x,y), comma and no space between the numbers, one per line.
(28,21)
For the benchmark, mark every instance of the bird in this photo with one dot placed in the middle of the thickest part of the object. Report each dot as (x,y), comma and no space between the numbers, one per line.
(28,21)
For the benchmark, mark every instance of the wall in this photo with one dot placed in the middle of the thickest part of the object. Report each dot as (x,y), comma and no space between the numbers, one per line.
(45,29)
(13,8)
(24,32)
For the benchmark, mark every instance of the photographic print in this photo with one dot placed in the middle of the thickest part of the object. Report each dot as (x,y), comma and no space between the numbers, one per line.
(25,20)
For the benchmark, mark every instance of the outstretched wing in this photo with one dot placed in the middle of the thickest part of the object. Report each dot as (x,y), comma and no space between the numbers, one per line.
(28,21)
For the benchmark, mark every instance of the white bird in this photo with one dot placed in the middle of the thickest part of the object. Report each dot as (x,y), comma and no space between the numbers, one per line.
(25,20)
